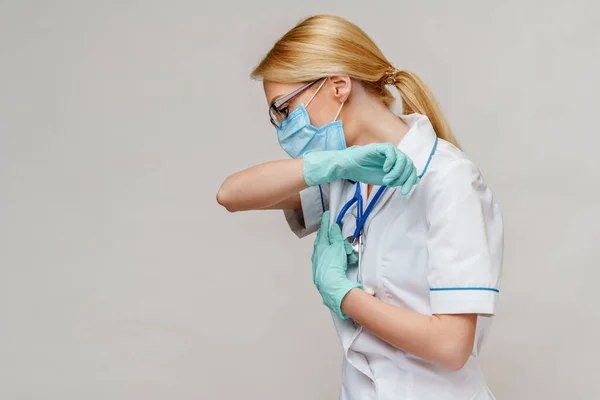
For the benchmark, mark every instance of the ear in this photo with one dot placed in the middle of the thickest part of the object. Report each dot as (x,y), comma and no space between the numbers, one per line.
(341,86)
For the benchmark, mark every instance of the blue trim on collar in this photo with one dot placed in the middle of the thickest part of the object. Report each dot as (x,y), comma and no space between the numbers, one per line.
(430,157)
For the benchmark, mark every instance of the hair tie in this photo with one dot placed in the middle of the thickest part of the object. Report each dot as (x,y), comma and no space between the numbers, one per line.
(390,76)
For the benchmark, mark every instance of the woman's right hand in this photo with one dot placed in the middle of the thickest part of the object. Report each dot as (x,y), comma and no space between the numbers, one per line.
(373,164)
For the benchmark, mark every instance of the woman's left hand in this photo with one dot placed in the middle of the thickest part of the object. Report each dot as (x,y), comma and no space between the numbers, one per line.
(329,263)
(374,164)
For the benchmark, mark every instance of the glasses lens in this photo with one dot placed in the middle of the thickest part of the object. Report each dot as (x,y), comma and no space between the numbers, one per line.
(275,117)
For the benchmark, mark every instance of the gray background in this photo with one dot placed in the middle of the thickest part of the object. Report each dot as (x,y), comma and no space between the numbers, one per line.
(121,277)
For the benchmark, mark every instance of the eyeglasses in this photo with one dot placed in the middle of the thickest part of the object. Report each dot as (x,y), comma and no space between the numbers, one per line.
(277,113)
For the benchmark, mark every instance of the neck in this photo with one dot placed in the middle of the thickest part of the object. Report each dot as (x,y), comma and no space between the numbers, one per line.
(372,122)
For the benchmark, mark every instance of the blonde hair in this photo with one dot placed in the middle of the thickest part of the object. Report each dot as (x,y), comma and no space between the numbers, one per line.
(327,45)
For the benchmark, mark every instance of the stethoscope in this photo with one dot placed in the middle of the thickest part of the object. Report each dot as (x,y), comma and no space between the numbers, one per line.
(357,240)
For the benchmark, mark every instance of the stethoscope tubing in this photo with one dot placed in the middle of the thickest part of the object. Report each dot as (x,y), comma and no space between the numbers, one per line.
(357,198)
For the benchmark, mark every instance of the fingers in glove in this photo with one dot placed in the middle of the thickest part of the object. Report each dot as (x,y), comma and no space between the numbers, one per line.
(323,232)
(391,157)
(399,173)
(335,234)
(403,176)
(403,179)
(352,258)
(410,182)
(348,247)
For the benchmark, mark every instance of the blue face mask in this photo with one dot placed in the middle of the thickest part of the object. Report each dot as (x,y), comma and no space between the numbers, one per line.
(297,136)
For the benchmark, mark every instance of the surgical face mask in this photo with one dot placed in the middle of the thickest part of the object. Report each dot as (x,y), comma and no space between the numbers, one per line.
(297,136)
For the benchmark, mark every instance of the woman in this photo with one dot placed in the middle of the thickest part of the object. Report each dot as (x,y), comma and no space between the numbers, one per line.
(412,315)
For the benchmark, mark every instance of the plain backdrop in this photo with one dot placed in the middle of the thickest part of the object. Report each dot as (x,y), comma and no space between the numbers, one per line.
(122,278)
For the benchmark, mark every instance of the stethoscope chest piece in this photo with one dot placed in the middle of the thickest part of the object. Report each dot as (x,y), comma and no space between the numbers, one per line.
(354,242)
(357,244)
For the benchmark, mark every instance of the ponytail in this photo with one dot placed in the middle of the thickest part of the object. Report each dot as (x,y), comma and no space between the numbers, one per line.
(416,97)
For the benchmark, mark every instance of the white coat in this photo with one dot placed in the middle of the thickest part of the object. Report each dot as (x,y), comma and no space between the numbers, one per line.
(437,250)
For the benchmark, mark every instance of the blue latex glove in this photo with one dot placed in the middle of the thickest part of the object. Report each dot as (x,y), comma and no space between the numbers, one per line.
(329,262)
(373,164)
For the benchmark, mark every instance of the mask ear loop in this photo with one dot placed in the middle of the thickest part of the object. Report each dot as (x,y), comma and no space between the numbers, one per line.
(339,111)
(315,93)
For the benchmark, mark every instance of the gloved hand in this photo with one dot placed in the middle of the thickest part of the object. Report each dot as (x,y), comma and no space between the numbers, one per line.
(352,259)
(373,164)
(329,262)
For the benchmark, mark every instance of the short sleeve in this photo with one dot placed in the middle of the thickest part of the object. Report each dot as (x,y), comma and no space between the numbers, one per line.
(306,220)
(465,243)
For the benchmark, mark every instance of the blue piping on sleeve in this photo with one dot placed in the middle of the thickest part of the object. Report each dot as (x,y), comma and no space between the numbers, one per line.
(464,288)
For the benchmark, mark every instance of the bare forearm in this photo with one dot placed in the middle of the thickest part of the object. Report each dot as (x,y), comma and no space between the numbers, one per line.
(262,186)
(446,339)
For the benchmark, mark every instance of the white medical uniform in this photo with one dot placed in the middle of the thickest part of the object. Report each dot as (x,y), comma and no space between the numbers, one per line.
(437,250)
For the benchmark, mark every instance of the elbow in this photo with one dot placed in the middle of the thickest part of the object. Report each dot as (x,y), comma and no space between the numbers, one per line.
(226,200)
(455,363)
(455,357)
(453,340)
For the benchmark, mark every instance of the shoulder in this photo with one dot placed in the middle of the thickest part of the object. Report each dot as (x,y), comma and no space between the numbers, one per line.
(453,177)
(450,164)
